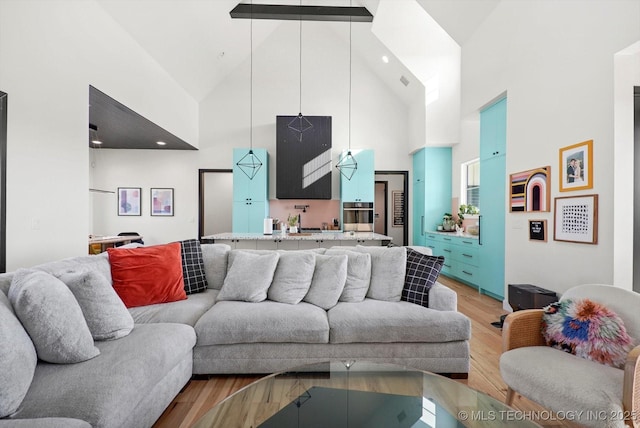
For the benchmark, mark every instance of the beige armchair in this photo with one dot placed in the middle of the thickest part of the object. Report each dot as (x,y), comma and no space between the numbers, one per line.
(590,393)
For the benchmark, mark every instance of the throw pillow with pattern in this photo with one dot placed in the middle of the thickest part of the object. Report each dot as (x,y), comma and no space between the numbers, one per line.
(195,280)
(422,272)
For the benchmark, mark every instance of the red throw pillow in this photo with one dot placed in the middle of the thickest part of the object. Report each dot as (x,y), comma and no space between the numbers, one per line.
(147,275)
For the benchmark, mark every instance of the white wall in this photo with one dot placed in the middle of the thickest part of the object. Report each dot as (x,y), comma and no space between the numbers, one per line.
(627,75)
(555,61)
(50,52)
(379,119)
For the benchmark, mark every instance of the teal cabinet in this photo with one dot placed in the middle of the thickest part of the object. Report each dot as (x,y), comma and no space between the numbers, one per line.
(461,256)
(493,141)
(431,189)
(250,196)
(361,187)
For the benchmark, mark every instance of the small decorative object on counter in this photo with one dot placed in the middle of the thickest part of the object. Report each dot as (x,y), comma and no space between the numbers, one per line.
(447,222)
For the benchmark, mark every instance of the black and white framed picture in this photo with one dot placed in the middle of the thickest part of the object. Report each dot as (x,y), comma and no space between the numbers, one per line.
(303,158)
(576,219)
(538,230)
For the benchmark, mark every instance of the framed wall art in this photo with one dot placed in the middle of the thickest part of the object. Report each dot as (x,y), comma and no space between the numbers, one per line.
(161,201)
(129,200)
(530,190)
(538,230)
(576,167)
(576,219)
(398,208)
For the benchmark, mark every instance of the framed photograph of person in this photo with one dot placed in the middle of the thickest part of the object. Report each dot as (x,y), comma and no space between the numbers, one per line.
(576,167)
(129,200)
(162,202)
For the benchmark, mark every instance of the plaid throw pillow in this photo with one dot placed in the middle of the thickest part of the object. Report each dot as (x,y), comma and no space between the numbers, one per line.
(193,267)
(422,273)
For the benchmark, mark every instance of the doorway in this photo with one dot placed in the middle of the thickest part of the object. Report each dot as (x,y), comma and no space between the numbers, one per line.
(396,215)
(215,202)
(380,204)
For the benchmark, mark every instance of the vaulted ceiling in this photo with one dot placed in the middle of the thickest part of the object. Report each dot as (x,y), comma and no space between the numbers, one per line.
(199,44)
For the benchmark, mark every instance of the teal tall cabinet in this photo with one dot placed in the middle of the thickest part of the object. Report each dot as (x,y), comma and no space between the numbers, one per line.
(361,187)
(250,197)
(493,152)
(431,190)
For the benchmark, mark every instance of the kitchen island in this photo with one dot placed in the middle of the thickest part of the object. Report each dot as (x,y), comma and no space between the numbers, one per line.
(296,241)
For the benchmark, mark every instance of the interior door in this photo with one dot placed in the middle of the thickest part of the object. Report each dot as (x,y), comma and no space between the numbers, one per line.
(380,208)
(216,201)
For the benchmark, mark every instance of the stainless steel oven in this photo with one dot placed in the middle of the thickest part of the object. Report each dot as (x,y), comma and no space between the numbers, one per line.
(357,216)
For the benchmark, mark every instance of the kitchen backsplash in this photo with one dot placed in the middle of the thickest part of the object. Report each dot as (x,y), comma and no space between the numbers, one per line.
(319,210)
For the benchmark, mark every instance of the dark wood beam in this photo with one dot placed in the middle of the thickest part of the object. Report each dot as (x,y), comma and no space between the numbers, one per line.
(304,13)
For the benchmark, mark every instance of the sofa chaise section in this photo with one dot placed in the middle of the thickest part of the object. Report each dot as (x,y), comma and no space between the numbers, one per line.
(129,384)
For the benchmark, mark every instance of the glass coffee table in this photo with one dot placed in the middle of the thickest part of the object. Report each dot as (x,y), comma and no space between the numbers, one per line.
(358,394)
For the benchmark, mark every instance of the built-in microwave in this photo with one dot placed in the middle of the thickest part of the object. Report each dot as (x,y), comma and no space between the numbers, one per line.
(357,216)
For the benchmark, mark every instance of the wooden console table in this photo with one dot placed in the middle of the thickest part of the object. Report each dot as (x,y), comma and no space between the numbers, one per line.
(109,242)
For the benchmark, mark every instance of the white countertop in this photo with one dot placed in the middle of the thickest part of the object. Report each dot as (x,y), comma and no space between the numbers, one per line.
(325,236)
(462,235)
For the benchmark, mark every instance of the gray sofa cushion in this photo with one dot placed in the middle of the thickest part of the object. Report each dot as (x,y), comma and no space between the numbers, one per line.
(182,312)
(594,388)
(241,322)
(374,321)
(328,281)
(249,276)
(51,315)
(388,267)
(106,315)
(195,280)
(292,278)
(215,258)
(106,390)
(358,274)
(18,358)
(95,263)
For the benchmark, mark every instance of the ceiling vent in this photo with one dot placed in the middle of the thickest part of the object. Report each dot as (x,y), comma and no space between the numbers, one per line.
(404,81)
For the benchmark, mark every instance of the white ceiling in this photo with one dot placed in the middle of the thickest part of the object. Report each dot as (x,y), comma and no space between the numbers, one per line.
(198,43)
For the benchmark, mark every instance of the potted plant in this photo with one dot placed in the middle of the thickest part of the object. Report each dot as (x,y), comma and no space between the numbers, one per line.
(469,211)
(293,223)
(447,222)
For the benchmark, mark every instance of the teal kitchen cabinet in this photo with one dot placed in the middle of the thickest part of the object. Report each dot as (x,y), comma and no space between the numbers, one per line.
(493,142)
(461,255)
(361,187)
(250,196)
(431,190)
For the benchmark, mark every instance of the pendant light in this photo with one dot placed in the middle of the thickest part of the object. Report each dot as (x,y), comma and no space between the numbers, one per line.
(250,163)
(300,124)
(348,164)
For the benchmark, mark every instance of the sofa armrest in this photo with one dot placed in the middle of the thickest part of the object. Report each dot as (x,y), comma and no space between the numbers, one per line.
(522,328)
(631,387)
(442,298)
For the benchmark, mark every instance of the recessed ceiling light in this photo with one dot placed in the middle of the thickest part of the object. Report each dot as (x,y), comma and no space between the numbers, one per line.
(96,142)
(385,59)
(161,143)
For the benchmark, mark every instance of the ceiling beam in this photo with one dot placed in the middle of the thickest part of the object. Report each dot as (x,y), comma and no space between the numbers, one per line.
(304,13)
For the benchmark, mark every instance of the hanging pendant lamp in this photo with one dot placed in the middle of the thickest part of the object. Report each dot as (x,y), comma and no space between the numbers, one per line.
(300,124)
(250,164)
(348,164)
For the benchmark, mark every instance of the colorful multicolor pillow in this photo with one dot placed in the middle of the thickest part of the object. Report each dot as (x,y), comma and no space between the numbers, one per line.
(588,330)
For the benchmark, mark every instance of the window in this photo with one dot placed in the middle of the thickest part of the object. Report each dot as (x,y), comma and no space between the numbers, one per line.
(470,194)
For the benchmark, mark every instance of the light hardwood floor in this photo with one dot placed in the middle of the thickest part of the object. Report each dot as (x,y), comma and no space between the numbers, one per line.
(486,343)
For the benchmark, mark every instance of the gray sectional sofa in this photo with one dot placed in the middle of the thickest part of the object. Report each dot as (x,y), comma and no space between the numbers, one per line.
(135,377)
